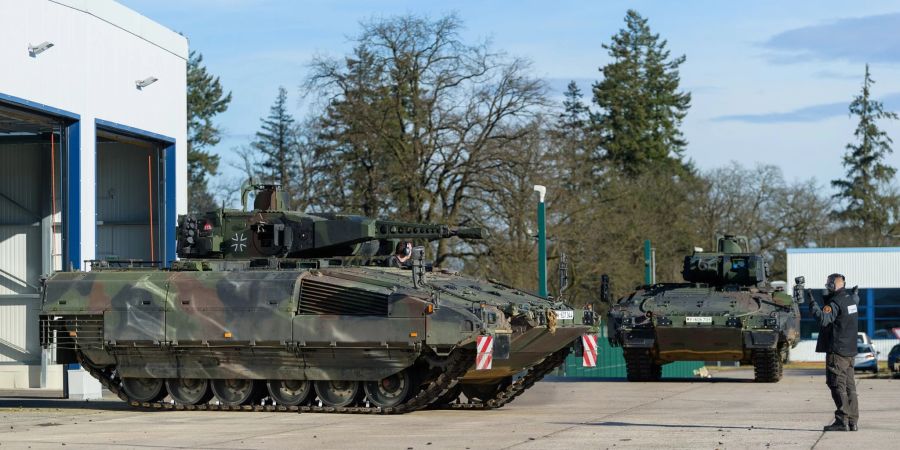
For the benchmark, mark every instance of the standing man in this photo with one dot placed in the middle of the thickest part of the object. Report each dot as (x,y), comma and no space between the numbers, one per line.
(838,327)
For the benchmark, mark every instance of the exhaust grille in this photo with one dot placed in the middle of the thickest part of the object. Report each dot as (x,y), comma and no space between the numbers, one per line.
(72,332)
(317,297)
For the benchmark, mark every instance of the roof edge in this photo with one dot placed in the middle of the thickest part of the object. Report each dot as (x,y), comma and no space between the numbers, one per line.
(132,22)
(843,250)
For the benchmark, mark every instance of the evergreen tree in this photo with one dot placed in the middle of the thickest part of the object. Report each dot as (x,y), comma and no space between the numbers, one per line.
(277,141)
(869,204)
(575,112)
(571,155)
(205,100)
(640,106)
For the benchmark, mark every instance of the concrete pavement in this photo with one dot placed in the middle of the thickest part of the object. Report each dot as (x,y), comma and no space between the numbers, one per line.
(726,412)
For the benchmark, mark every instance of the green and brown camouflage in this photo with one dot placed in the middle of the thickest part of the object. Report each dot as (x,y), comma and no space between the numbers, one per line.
(725,311)
(289,300)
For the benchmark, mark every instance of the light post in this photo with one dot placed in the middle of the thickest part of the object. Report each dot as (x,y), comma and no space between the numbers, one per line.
(542,241)
(649,263)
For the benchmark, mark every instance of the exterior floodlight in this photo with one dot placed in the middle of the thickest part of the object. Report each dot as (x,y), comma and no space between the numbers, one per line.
(35,50)
(541,190)
(145,82)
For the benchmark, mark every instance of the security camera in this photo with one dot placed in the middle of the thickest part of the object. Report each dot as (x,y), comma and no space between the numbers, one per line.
(140,84)
(35,50)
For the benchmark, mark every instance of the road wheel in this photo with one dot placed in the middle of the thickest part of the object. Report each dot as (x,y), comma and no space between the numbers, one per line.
(639,365)
(767,367)
(189,391)
(290,392)
(235,392)
(144,389)
(390,391)
(337,393)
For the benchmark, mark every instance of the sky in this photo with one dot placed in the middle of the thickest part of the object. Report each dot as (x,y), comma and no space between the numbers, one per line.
(771,80)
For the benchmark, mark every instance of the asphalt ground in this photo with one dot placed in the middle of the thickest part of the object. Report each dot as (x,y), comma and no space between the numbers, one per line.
(727,411)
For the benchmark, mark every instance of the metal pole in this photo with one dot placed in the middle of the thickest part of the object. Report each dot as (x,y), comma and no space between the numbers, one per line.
(542,241)
(648,269)
(870,311)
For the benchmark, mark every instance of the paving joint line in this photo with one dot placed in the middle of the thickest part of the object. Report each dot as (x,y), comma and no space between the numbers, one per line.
(626,410)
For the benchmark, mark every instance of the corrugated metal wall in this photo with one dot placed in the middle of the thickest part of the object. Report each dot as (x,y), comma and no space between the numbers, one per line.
(875,267)
(611,363)
(18,330)
(123,215)
(22,203)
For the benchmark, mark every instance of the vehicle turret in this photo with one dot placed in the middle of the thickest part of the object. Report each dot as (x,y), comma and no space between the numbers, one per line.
(270,229)
(732,264)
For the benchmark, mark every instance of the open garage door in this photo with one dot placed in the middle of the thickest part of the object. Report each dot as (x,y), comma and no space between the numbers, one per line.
(32,153)
(129,200)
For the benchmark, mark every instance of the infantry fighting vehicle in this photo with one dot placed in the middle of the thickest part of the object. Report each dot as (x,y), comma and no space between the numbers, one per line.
(279,310)
(725,311)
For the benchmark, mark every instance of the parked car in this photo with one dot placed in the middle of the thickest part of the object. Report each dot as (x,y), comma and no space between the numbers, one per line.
(866,358)
(863,338)
(894,360)
(883,334)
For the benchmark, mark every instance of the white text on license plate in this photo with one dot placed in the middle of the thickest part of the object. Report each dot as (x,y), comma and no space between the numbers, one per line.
(565,314)
(698,319)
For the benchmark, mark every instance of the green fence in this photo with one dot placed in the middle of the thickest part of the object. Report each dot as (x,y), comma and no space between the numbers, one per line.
(611,363)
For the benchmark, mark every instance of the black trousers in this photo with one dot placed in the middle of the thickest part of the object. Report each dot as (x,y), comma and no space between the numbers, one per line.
(839,378)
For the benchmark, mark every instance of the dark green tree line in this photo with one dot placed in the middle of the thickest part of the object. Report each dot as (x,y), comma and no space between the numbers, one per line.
(205,99)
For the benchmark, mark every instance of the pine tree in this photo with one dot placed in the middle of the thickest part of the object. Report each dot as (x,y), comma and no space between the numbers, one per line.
(205,100)
(571,157)
(869,205)
(277,141)
(640,106)
(575,112)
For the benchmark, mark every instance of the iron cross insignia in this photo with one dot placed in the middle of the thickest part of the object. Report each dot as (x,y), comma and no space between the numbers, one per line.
(238,242)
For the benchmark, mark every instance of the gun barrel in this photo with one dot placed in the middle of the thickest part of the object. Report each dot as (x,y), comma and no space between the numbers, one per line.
(469,233)
(409,230)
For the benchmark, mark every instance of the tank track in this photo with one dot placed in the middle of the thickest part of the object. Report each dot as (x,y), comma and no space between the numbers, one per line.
(518,387)
(639,366)
(767,365)
(459,362)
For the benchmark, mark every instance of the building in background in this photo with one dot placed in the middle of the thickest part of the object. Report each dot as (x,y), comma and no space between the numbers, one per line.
(873,269)
(93,152)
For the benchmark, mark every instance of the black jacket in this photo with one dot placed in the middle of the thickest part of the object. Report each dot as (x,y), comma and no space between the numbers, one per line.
(838,322)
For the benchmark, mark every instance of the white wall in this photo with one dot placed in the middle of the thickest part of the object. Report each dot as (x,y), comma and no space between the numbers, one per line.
(875,267)
(100,49)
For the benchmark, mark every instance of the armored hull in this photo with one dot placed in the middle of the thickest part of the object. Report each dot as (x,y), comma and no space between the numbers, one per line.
(338,337)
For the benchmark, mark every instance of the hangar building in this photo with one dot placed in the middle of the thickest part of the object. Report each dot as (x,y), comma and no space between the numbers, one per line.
(93,152)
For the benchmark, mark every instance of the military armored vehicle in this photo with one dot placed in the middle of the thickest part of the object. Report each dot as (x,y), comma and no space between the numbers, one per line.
(275,310)
(726,310)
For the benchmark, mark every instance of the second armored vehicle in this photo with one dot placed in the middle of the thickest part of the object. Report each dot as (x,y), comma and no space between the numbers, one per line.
(725,311)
